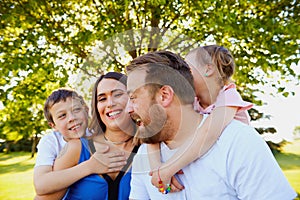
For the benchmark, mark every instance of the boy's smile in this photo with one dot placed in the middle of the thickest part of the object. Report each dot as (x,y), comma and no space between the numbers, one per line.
(70,118)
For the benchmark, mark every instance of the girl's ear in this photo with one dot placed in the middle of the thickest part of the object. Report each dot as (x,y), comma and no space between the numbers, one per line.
(209,70)
(166,95)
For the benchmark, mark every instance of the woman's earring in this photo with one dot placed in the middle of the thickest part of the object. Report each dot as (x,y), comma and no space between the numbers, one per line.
(206,75)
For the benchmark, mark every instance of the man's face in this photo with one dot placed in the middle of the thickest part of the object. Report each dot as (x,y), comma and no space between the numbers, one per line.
(144,108)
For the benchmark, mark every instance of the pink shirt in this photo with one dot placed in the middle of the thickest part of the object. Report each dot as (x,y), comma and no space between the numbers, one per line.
(229,96)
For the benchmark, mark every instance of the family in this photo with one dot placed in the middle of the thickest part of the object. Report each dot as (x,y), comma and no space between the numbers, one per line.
(173,128)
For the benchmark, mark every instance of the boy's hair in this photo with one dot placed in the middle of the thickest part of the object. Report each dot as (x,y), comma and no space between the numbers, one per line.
(218,56)
(58,96)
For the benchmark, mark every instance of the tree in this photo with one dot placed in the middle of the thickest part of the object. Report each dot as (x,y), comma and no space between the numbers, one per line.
(43,42)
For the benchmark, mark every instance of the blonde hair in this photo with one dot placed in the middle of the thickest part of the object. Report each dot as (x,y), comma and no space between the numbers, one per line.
(218,56)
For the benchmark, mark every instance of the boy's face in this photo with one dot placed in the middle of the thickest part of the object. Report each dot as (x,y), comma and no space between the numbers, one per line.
(70,118)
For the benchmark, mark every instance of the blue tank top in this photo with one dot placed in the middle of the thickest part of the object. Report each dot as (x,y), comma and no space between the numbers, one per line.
(94,187)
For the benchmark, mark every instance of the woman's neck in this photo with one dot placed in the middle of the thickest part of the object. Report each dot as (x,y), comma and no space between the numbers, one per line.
(117,137)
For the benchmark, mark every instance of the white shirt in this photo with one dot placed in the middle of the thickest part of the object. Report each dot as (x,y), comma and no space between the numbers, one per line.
(239,166)
(48,148)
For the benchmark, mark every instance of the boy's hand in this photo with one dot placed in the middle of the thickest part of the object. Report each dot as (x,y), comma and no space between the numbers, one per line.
(174,183)
(103,161)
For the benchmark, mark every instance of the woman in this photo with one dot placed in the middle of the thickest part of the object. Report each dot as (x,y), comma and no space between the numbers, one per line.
(114,127)
(111,126)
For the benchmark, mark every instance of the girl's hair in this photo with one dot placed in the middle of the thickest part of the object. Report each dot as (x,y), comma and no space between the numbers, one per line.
(97,126)
(218,56)
(57,96)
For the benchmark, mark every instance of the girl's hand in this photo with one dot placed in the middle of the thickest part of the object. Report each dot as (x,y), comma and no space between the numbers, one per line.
(172,181)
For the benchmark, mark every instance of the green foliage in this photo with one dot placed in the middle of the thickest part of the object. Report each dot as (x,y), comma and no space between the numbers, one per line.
(43,42)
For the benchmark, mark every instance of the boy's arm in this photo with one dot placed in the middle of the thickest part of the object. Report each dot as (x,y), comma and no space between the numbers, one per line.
(197,146)
(67,158)
(47,181)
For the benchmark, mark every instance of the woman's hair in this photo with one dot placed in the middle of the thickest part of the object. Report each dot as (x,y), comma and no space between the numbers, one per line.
(97,126)
(218,56)
(57,96)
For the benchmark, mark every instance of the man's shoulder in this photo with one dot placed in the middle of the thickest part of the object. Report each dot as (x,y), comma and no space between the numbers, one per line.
(236,124)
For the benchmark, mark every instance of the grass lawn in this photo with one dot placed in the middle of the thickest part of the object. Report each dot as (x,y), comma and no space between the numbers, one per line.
(16,172)
(289,162)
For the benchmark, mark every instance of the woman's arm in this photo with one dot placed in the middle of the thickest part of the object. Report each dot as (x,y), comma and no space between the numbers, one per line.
(197,146)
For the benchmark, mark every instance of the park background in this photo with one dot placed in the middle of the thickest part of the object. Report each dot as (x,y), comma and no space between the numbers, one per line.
(45,45)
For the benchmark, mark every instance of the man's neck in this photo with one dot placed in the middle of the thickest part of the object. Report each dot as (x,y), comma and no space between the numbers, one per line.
(186,127)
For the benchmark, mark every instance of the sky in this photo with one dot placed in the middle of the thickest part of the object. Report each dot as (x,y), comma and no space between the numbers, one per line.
(284,111)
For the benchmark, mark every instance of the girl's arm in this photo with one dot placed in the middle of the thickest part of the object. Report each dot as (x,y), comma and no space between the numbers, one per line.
(197,146)
(154,156)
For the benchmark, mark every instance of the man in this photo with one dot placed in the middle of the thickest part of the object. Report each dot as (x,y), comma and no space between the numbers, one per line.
(240,164)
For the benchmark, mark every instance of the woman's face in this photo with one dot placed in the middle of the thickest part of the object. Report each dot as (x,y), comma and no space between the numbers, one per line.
(112,99)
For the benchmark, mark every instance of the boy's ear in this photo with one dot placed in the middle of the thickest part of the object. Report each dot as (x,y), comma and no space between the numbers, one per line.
(52,125)
(166,95)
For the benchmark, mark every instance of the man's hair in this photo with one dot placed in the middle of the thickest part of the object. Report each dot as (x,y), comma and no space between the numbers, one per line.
(57,96)
(158,75)
(158,59)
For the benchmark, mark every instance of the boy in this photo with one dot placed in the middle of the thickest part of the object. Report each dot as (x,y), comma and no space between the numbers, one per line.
(67,113)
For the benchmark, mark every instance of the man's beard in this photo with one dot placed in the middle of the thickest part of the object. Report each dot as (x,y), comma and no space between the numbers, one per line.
(151,133)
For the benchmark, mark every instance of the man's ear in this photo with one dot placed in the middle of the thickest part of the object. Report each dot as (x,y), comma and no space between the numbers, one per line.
(166,95)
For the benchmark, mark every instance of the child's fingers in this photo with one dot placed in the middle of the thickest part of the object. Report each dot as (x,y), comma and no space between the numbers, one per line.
(176,183)
(174,188)
(116,166)
(115,154)
(118,159)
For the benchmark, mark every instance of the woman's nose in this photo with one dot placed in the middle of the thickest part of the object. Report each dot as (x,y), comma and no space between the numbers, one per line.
(129,107)
(110,101)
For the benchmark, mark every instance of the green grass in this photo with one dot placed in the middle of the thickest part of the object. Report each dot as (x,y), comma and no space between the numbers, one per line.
(16,176)
(16,172)
(289,162)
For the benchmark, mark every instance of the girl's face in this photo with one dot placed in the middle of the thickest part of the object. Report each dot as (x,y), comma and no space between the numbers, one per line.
(198,71)
(112,99)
